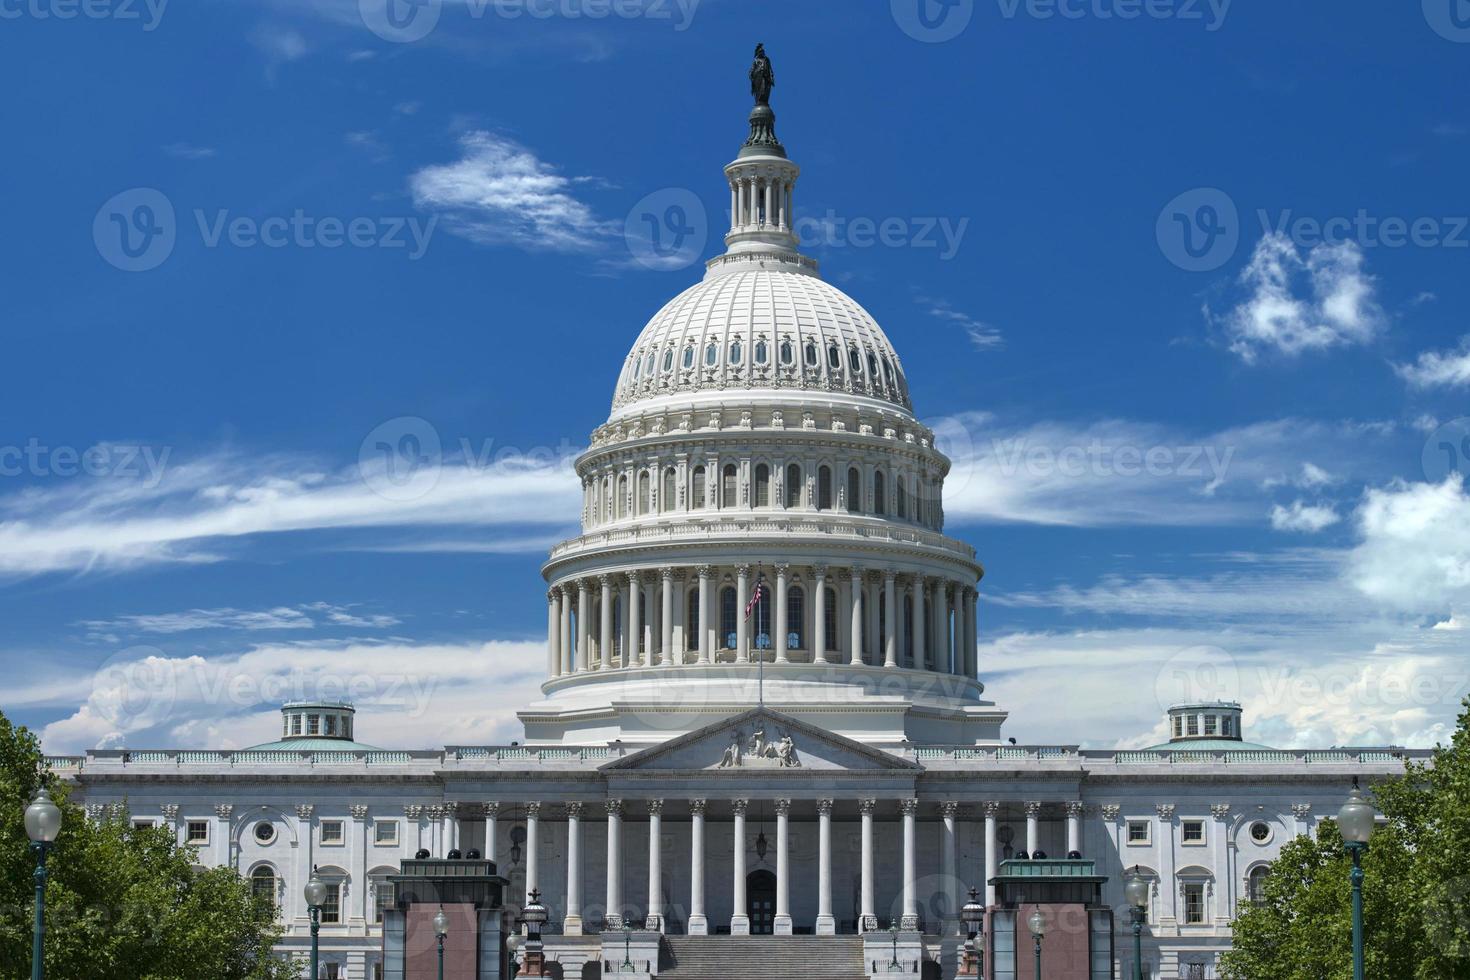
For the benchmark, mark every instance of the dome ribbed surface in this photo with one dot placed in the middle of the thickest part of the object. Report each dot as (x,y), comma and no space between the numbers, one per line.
(762,329)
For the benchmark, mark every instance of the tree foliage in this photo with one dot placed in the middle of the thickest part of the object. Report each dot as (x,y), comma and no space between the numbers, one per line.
(1416,887)
(121,902)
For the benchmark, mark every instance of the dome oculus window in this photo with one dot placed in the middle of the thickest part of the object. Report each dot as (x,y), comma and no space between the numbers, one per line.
(1260,832)
(265,832)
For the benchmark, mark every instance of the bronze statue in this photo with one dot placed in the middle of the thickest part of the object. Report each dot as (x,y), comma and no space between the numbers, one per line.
(762,79)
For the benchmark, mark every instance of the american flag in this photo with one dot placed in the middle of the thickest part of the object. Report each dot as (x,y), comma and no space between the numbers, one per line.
(755,598)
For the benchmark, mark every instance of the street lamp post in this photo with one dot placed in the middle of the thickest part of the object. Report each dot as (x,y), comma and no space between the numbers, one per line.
(627,966)
(43,824)
(533,917)
(1136,891)
(972,915)
(441,929)
(1036,922)
(1355,820)
(893,930)
(316,897)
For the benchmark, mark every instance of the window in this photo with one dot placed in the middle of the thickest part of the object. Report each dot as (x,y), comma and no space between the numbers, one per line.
(667,495)
(1194,971)
(699,492)
(763,485)
(1192,725)
(879,506)
(1227,726)
(903,502)
(1210,721)
(1255,885)
(385,832)
(643,491)
(329,723)
(143,823)
(873,368)
(1138,831)
(295,724)
(1194,903)
(198,832)
(854,491)
(668,360)
(735,352)
(648,365)
(760,352)
(907,647)
(793,486)
(761,622)
(711,354)
(824,488)
(796,619)
(829,626)
(332,906)
(810,352)
(331,832)
(263,885)
(1260,832)
(728,617)
(1194,831)
(622,505)
(729,482)
(689,356)
(1178,726)
(855,361)
(265,832)
(313,724)
(787,354)
(691,628)
(834,357)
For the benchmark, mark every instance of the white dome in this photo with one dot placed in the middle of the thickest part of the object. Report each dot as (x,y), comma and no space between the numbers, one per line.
(749,326)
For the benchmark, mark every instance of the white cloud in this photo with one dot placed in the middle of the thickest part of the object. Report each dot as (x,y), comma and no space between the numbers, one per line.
(499,191)
(278,618)
(1337,307)
(1414,550)
(196,509)
(1454,624)
(188,151)
(983,336)
(1450,369)
(1303,517)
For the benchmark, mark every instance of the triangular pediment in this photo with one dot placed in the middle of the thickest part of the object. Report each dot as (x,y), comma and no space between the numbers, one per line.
(761,740)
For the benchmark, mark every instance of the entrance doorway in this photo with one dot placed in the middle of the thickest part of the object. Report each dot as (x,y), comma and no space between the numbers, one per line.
(760,900)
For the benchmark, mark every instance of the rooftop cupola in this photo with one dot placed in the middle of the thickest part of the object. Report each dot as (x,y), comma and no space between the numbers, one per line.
(1205,720)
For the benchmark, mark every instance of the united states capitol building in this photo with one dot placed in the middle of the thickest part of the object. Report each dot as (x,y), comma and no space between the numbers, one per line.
(762,736)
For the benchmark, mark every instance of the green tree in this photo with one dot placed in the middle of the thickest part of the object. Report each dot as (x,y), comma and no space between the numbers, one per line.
(1416,887)
(121,902)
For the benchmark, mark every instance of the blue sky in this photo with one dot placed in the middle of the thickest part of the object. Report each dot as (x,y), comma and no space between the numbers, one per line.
(1182,287)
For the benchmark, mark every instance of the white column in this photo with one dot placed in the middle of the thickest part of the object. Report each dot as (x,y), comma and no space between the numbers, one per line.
(826,923)
(819,615)
(1033,826)
(910,918)
(584,625)
(635,621)
(992,853)
(869,919)
(492,811)
(704,624)
(872,603)
(949,869)
(565,639)
(921,647)
(533,848)
(856,656)
(739,218)
(698,923)
(655,866)
(614,897)
(781,626)
(739,918)
(666,644)
(770,202)
(605,633)
(890,615)
(734,206)
(572,924)
(1074,827)
(223,812)
(782,924)
(742,625)
(553,641)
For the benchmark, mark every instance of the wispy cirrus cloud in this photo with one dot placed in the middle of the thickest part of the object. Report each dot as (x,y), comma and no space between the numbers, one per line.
(1439,369)
(1303,517)
(982,335)
(300,617)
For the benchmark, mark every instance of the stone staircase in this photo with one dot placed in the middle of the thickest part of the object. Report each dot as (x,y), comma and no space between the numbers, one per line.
(762,958)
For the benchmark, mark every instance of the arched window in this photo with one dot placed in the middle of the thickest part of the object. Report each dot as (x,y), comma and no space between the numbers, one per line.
(793,486)
(855,361)
(763,485)
(668,360)
(873,369)
(903,503)
(668,494)
(729,486)
(711,354)
(879,504)
(811,354)
(786,352)
(263,884)
(622,496)
(735,352)
(830,626)
(691,627)
(698,491)
(834,357)
(644,489)
(760,352)
(824,488)
(854,491)
(796,618)
(728,617)
(637,366)
(648,364)
(1255,889)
